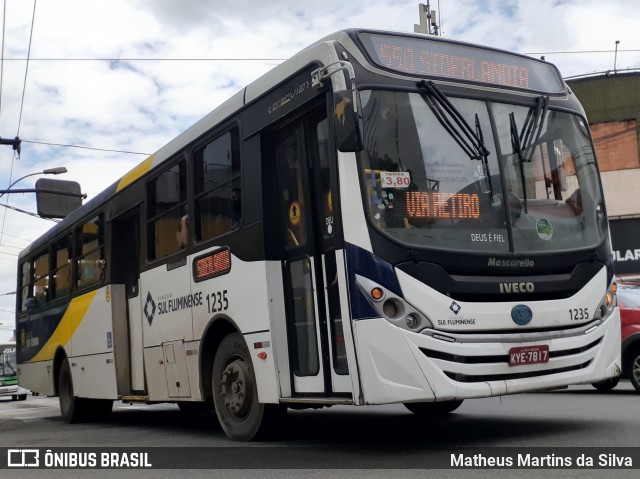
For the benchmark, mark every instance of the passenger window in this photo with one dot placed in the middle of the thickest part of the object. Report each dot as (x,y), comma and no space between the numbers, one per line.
(41,279)
(168,224)
(26,285)
(217,183)
(61,268)
(89,253)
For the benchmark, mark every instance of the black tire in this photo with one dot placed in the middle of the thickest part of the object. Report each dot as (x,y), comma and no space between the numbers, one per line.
(75,409)
(235,394)
(14,398)
(633,368)
(97,409)
(72,408)
(22,397)
(606,385)
(433,409)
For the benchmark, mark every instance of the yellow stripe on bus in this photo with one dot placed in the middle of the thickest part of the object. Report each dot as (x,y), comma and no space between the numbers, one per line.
(70,321)
(136,173)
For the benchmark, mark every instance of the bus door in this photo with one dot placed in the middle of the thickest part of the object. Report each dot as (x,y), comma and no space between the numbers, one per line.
(125,243)
(318,362)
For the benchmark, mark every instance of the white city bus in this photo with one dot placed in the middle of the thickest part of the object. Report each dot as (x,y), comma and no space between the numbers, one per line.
(383,218)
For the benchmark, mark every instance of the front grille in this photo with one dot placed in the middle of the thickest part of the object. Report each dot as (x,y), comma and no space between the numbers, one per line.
(468,378)
(504,358)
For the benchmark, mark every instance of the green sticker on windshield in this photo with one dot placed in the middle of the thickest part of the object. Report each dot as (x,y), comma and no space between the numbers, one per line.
(544,228)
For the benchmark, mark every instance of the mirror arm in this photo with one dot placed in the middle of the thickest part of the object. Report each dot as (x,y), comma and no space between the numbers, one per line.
(320,74)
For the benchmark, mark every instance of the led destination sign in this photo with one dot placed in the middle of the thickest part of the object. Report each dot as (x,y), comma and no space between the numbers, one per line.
(432,58)
(423,204)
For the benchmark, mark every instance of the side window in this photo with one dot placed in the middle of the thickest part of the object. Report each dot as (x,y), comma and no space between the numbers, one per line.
(217,187)
(89,253)
(326,225)
(292,195)
(168,218)
(61,268)
(41,279)
(26,284)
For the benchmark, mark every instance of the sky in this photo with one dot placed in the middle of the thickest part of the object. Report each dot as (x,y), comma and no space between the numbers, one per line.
(130,75)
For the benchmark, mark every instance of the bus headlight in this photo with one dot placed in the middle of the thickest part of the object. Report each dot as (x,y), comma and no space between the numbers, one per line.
(392,307)
(608,302)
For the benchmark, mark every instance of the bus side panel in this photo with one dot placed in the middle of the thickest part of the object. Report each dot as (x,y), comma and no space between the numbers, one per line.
(241,296)
(90,350)
(94,376)
(37,377)
(94,332)
(155,374)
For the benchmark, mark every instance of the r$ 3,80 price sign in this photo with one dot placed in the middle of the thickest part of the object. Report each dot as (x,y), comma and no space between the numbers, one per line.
(395,179)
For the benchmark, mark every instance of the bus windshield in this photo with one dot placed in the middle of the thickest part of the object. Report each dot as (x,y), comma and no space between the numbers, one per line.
(466,174)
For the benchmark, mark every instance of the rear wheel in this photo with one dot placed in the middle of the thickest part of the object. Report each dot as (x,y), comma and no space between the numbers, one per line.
(75,409)
(606,385)
(235,394)
(634,369)
(433,409)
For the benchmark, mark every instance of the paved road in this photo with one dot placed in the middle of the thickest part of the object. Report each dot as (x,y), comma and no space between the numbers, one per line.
(386,438)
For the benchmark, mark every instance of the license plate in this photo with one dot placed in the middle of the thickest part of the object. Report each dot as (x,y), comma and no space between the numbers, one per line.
(528,355)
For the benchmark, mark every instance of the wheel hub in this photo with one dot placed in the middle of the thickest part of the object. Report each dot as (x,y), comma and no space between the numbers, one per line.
(236,387)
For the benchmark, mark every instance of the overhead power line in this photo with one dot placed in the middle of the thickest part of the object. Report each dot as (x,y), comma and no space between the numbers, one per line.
(4,16)
(27,213)
(139,59)
(26,69)
(85,147)
(579,52)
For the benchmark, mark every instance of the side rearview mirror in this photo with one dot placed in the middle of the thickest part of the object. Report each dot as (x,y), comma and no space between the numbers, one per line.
(57,198)
(347,121)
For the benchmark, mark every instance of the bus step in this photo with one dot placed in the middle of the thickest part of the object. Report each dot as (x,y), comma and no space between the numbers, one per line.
(323,401)
(133,398)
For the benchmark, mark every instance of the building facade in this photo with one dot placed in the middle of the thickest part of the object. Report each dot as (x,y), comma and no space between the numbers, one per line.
(612,104)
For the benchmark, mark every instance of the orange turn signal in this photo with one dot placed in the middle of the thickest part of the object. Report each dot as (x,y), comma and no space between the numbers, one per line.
(377,294)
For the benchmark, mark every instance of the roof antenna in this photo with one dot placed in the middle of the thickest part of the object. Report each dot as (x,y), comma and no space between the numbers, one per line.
(615,58)
(428,23)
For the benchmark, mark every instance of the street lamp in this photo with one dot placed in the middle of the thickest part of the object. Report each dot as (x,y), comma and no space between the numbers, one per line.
(49,171)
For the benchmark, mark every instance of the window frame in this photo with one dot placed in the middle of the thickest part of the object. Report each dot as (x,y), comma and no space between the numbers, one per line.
(234,181)
(152,215)
(79,255)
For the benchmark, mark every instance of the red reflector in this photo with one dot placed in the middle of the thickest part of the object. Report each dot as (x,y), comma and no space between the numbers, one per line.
(262,355)
(212,265)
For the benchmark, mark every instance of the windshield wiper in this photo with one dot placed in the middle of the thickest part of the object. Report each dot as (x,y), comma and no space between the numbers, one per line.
(470,141)
(532,127)
(524,142)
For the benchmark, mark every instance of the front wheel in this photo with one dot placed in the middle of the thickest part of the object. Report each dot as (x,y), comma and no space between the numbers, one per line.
(606,385)
(235,394)
(433,409)
(634,369)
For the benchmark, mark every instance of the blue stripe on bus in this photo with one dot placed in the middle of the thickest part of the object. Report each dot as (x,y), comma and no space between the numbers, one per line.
(364,263)
(37,328)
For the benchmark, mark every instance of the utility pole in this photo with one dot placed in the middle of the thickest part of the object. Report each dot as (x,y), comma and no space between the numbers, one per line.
(428,23)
